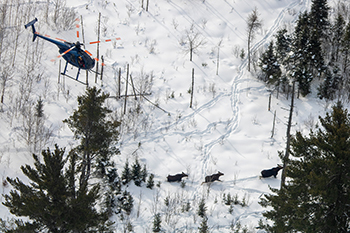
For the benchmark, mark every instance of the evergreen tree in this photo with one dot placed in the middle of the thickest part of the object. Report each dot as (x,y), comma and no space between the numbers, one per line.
(202,208)
(157,223)
(49,200)
(269,66)
(150,182)
(283,46)
(316,197)
(330,85)
(125,203)
(317,63)
(39,108)
(319,17)
(144,173)
(346,51)
(337,33)
(136,173)
(301,70)
(126,174)
(203,228)
(96,133)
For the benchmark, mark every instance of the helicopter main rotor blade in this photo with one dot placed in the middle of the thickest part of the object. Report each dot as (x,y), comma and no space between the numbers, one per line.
(103,41)
(77,25)
(64,53)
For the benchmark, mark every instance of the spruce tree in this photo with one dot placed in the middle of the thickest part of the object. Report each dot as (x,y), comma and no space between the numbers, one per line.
(97,134)
(269,66)
(202,208)
(150,181)
(346,50)
(136,173)
(337,33)
(283,45)
(302,70)
(49,201)
(126,174)
(157,223)
(203,228)
(125,203)
(316,196)
(319,17)
(331,84)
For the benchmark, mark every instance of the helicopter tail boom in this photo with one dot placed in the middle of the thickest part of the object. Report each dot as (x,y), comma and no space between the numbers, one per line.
(31,23)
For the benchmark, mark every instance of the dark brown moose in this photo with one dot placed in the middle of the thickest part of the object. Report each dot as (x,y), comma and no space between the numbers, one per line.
(176,177)
(213,177)
(271,172)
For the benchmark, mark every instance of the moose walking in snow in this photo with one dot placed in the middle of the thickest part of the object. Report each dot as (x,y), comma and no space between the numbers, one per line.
(271,172)
(213,177)
(176,177)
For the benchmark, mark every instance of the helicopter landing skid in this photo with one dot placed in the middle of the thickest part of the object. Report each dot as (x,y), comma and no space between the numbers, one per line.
(74,78)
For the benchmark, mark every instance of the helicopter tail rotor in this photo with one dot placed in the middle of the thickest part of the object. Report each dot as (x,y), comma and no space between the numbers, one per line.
(31,23)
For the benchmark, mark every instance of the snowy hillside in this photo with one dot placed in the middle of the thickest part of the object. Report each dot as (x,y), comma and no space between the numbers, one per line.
(228,128)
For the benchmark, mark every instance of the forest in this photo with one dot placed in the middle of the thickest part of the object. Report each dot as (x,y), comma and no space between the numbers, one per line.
(184,91)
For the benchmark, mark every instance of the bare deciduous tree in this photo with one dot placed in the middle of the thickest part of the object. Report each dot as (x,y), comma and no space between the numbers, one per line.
(192,41)
(253,23)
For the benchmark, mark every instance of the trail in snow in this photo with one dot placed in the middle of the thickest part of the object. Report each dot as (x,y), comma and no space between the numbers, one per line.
(234,93)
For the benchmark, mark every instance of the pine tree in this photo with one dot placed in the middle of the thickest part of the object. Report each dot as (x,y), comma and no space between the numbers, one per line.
(346,50)
(150,182)
(283,45)
(96,133)
(301,71)
(50,201)
(269,66)
(144,173)
(202,208)
(330,85)
(39,108)
(125,203)
(319,17)
(203,228)
(316,198)
(126,174)
(337,33)
(136,174)
(157,223)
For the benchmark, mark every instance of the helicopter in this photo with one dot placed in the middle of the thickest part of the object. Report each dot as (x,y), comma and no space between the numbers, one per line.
(73,53)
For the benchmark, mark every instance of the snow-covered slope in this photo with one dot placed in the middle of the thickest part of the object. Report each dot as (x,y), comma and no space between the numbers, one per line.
(228,128)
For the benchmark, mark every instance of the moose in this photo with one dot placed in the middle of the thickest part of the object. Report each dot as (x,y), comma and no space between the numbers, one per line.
(176,177)
(213,177)
(271,172)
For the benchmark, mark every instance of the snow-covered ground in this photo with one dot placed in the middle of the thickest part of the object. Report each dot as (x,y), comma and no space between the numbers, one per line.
(228,129)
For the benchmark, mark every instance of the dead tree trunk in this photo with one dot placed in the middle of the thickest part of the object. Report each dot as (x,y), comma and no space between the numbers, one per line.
(126,88)
(98,45)
(192,88)
(286,156)
(133,87)
(119,74)
(273,125)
